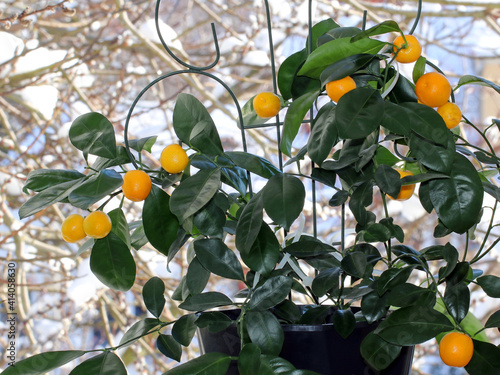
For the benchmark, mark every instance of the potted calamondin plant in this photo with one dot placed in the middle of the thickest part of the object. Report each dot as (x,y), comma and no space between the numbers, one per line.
(373,135)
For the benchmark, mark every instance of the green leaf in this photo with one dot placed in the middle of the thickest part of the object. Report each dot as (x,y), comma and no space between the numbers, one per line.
(122,158)
(170,348)
(413,325)
(287,74)
(273,291)
(361,197)
(359,112)
(377,352)
(184,329)
(391,278)
(336,50)
(205,301)
(249,224)
(388,180)
(93,134)
(486,359)
(396,119)
(427,123)
(294,117)
(373,307)
(493,320)
(95,188)
(112,263)
(283,198)
(39,364)
(264,252)
(153,295)
(381,28)
(265,331)
(345,67)
(141,144)
(327,279)
(194,192)
(323,134)
(458,199)
(344,322)
(48,197)
(308,247)
(138,330)
(406,295)
(315,315)
(457,300)
(253,163)
(194,126)
(207,364)
(419,68)
(319,29)
(107,363)
(490,285)
(210,220)
(355,264)
(215,321)
(270,365)
(119,225)
(249,360)
(473,80)
(40,179)
(216,257)
(196,277)
(384,156)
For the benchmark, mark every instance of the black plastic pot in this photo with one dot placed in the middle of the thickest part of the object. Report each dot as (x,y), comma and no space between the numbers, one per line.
(312,347)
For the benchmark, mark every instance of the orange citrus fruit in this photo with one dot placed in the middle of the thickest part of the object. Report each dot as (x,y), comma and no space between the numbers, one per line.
(266,104)
(433,89)
(97,224)
(451,114)
(407,52)
(456,349)
(136,185)
(72,228)
(406,190)
(336,89)
(174,159)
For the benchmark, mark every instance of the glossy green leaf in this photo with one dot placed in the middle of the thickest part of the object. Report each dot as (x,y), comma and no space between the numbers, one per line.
(392,277)
(359,112)
(457,300)
(39,364)
(273,291)
(48,197)
(264,252)
(318,30)
(215,321)
(184,329)
(323,134)
(486,359)
(326,280)
(293,119)
(40,179)
(169,347)
(458,199)
(205,301)
(290,85)
(95,188)
(112,263)
(216,257)
(419,68)
(339,198)
(355,264)
(194,192)
(249,224)
(141,144)
(408,254)
(249,360)
(361,198)
(210,220)
(437,158)
(373,306)
(474,80)
(153,294)
(160,224)
(378,29)
(107,363)
(119,225)
(336,50)
(413,325)
(315,315)
(377,352)
(406,294)
(265,331)
(395,119)
(194,126)
(427,123)
(493,320)
(328,178)
(208,364)
(344,322)
(284,197)
(308,247)
(122,158)
(93,134)
(450,254)
(490,285)
(345,67)
(253,163)
(196,277)
(138,330)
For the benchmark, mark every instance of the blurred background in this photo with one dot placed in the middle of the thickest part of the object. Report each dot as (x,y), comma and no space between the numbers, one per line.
(60,59)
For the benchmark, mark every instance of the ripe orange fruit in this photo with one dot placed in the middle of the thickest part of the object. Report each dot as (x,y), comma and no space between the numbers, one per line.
(456,349)
(72,228)
(97,224)
(174,159)
(406,190)
(433,89)
(451,114)
(136,185)
(407,52)
(336,89)
(266,104)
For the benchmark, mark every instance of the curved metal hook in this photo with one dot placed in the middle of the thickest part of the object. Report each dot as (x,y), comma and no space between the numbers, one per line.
(169,51)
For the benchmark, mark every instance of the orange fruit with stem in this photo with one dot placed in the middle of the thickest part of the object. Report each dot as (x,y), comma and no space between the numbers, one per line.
(136,185)
(433,89)
(336,89)
(266,104)
(174,159)
(407,51)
